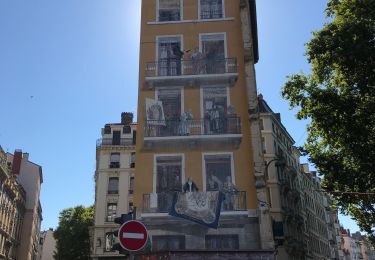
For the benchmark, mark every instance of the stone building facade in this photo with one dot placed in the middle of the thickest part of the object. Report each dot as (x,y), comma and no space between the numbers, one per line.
(12,210)
(114,183)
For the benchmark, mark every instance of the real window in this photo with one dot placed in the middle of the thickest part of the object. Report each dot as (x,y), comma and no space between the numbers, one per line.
(131,185)
(111,212)
(161,243)
(264,145)
(261,124)
(114,160)
(132,160)
(211,9)
(169,55)
(169,10)
(213,48)
(222,242)
(218,171)
(113,185)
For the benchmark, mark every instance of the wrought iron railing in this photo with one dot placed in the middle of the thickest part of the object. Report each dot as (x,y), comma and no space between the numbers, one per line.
(176,67)
(162,202)
(193,127)
(211,12)
(110,141)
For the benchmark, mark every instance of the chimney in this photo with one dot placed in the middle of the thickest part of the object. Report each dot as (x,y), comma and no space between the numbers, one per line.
(16,165)
(25,156)
(126,118)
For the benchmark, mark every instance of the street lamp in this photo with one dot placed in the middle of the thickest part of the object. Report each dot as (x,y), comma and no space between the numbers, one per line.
(261,180)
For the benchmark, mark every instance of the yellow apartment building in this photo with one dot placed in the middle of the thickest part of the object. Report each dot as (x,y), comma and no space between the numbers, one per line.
(196,88)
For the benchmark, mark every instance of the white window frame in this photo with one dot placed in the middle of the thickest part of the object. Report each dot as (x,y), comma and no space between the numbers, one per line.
(204,175)
(199,10)
(157,89)
(201,35)
(157,41)
(155,168)
(211,86)
(181,11)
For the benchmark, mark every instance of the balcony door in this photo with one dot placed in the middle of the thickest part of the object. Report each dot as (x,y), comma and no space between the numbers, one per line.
(169,56)
(215,103)
(172,104)
(213,48)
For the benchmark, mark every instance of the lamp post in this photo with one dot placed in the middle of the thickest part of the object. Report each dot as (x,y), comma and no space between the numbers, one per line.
(261,180)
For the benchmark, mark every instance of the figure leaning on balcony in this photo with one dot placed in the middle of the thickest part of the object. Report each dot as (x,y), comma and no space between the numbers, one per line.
(197,61)
(176,57)
(190,186)
(230,192)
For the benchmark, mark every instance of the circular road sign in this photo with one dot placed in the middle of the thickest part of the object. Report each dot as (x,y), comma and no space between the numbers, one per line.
(133,235)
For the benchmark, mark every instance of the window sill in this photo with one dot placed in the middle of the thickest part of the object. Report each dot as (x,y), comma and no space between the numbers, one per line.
(193,21)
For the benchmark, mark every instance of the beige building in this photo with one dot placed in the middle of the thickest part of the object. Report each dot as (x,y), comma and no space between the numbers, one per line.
(12,210)
(47,245)
(298,208)
(30,176)
(196,87)
(114,183)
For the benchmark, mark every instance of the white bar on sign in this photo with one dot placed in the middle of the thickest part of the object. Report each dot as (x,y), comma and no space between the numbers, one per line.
(133,235)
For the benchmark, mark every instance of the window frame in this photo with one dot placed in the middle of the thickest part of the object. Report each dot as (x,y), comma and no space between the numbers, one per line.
(114,192)
(199,11)
(107,217)
(202,97)
(115,166)
(204,173)
(182,95)
(222,238)
(157,42)
(155,168)
(158,12)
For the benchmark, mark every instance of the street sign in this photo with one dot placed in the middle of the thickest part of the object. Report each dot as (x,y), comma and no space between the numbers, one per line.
(133,235)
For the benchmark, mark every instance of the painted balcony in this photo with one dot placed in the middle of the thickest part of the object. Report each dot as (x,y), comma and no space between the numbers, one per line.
(162,202)
(195,133)
(173,72)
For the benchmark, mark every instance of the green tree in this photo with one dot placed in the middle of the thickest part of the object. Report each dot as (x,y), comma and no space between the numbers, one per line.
(338,97)
(72,233)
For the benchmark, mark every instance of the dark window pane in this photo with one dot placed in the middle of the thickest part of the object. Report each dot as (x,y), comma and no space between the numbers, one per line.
(113,185)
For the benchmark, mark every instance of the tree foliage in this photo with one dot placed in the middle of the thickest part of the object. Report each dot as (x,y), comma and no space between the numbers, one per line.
(72,233)
(338,96)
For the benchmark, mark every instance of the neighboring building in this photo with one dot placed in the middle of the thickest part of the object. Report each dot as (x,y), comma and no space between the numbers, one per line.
(196,77)
(356,246)
(30,176)
(296,203)
(12,210)
(47,245)
(352,246)
(334,233)
(114,183)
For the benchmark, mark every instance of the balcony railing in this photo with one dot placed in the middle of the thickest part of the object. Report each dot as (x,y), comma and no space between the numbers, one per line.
(175,67)
(162,202)
(110,141)
(194,127)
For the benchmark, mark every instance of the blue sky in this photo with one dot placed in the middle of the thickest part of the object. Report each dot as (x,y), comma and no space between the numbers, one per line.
(68,67)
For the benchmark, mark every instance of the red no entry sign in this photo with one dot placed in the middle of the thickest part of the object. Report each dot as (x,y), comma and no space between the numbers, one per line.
(133,235)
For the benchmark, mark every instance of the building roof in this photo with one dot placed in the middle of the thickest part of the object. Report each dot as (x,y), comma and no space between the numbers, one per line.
(266,109)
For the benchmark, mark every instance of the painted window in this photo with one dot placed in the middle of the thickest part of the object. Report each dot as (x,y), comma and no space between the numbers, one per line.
(169,10)
(111,212)
(162,243)
(215,101)
(211,9)
(168,174)
(113,185)
(170,55)
(213,48)
(218,171)
(222,242)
